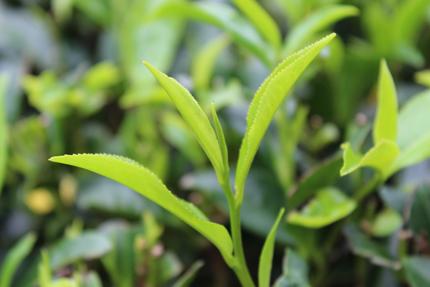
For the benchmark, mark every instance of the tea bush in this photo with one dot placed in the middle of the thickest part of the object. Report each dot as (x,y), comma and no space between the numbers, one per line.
(291,136)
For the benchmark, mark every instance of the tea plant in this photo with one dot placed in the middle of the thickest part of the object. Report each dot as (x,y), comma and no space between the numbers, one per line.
(211,138)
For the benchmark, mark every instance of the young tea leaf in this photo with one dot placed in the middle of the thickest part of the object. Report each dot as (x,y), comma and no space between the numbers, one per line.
(328,206)
(194,116)
(385,125)
(265,103)
(266,256)
(15,256)
(140,179)
(261,20)
(379,157)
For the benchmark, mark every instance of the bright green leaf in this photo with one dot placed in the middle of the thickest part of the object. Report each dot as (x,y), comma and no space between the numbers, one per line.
(265,103)
(320,20)
(380,157)
(266,256)
(385,125)
(140,179)
(101,76)
(328,206)
(194,116)
(14,257)
(204,62)
(262,21)
(386,222)
(223,17)
(423,78)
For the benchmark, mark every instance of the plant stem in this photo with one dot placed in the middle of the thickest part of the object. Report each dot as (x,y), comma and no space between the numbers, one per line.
(240,267)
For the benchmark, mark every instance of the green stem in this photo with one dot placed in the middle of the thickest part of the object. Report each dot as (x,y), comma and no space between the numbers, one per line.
(240,267)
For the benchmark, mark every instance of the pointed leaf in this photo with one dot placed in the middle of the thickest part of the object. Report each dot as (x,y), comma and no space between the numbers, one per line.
(193,115)
(266,256)
(261,20)
(140,179)
(328,206)
(265,103)
(318,21)
(380,157)
(385,125)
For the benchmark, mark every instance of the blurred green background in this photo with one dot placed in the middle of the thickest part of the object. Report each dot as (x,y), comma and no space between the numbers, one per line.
(72,81)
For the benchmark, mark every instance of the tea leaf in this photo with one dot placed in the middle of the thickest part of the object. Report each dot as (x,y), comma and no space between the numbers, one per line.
(15,256)
(416,269)
(194,116)
(221,138)
(203,64)
(88,245)
(140,179)
(385,125)
(414,135)
(328,206)
(363,246)
(266,256)
(223,17)
(386,222)
(262,21)
(379,157)
(423,78)
(265,103)
(318,21)
(3,130)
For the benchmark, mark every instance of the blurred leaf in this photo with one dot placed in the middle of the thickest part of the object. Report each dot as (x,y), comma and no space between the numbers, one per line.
(40,201)
(262,21)
(86,246)
(101,76)
(121,261)
(223,17)
(62,9)
(97,11)
(328,206)
(194,116)
(165,268)
(423,78)
(140,39)
(416,269)
(386,222)
(14,258)
(420,216)
(414,133)
(224,96)
(385,124)
(266,256)
(294,271)
(3,131)
(204,62)
(178,134)
(267,99)
(318,21)
(322,175)
(187,278)
(103,195)
(363,246)
(138,178)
